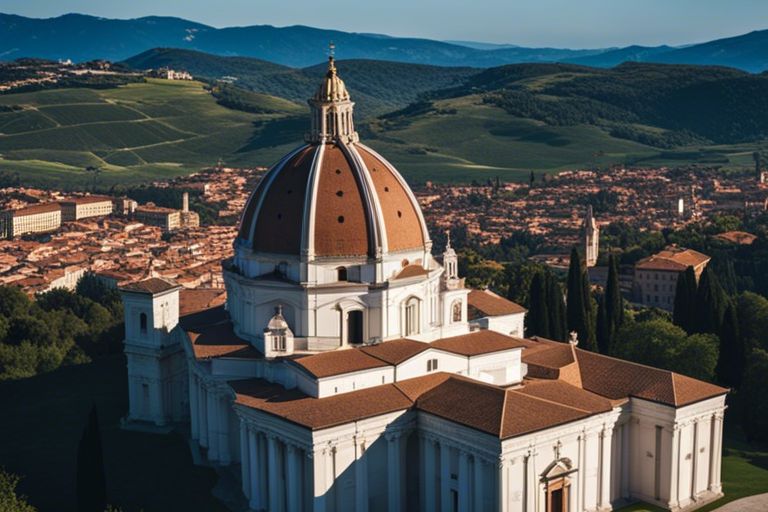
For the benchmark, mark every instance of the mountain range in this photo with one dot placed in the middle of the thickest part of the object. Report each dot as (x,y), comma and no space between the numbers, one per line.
(81,37)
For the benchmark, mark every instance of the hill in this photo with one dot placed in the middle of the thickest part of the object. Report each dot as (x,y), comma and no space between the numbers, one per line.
(377,86)
(81,38)
(132,133)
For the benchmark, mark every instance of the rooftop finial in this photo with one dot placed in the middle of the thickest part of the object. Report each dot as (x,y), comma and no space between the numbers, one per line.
(331,57)
(448,242)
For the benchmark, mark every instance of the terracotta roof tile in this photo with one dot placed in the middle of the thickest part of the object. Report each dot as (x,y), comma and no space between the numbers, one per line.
(396,351)
(411,271)
(566,394)
(317,413)
(484,303)
(479,342)
(192,300)
(152,285)
(338,362)
(673,258)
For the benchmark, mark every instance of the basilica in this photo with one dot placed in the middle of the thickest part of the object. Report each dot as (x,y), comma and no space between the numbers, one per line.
(346,368)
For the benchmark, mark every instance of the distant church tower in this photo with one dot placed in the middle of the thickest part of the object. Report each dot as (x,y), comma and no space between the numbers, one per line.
(591,238)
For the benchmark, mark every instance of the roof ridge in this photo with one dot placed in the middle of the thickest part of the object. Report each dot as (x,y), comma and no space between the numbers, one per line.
(550,401)
(503,413)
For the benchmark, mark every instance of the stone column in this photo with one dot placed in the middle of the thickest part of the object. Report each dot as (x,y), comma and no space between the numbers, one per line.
(716,453)
(256,472)
(295,477)
(203,420)
(361,476)
(605,468)
(675,469)
(464,497)
(430,501)
(213,425)
(225,453)
(625,460)
(194,420)
(695,460)
(394,487)
(479,483)
(245,459)
(445,477)
(273,472)
(319,460)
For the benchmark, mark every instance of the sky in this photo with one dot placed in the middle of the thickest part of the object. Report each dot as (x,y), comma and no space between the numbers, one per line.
(553,23)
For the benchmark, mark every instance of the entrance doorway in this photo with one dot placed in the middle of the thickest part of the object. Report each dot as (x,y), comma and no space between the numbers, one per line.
(355,327)
(556,501)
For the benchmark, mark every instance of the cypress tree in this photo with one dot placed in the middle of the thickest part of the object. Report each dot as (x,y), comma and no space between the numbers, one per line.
(709,305)
(538,310)
(614,303)
(684,312)
(732,359)
(579,304)
(603,328)
(589,341)
(91,484)
(557,322)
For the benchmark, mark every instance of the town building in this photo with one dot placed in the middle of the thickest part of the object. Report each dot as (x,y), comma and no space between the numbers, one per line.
(169,219)
(590,234)
(341,371)
(656,276)
(85,207)
(39,218)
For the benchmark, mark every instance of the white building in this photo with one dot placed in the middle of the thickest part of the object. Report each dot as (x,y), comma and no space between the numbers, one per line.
(656,276)
(590,233)
(342,372)
(37,218)
(77,208)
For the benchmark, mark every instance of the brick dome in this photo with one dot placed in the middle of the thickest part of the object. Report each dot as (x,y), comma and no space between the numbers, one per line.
(333,200)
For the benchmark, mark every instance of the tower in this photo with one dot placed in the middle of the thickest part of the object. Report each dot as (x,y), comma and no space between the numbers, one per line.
(591,238)
(156,365)
(185,202)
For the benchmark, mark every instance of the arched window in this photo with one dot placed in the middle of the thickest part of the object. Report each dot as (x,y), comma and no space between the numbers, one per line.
(456,311)
(143,323)
(341,274)
(411,317)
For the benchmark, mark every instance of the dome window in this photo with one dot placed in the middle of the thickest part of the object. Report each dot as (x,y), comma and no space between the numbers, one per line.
(338,171)
(399,214)
(341,219)
(386,189)
(340,193)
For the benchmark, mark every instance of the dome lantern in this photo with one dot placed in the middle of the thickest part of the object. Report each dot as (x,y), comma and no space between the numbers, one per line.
(332,110)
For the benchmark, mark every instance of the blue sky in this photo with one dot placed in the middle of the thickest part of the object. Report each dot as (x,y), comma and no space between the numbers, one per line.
(557,23)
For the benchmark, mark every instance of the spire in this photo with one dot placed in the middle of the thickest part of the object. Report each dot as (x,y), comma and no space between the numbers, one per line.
(332,108)
(450,261)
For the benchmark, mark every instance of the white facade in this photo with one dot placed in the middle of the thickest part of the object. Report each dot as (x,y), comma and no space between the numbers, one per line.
(355,383)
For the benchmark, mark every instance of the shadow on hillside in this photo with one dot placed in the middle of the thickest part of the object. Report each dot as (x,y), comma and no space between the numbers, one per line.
(43,418)
(276,132)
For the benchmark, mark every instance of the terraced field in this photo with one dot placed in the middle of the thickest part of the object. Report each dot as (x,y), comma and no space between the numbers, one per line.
(129,134)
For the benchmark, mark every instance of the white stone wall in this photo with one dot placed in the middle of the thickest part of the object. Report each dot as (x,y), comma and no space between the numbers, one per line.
(511,325)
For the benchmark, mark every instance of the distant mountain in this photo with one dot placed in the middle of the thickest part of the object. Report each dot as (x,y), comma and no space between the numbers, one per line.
(80,37)
(615,57)
(748,52)
(376,86)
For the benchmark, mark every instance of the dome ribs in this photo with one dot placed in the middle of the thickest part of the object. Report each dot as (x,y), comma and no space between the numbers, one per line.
(280,218)
(402,220)
(341,222)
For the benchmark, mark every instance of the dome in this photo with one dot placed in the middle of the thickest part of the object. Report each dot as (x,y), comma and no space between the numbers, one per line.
(333,197)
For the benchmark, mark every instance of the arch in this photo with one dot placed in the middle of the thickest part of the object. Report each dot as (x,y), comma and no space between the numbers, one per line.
(557,484)
(457,313)
(411,316)
(355,327)
(341,274)
(143,323)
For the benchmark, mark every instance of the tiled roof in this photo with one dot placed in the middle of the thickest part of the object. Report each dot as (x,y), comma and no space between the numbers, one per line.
(338,362)
(396,351)
(479,342)
(484,303)
(35,209)
(220,340)
(192,300)
(673,258)
(411,271)
(317,413)
(86,200)
(152,285)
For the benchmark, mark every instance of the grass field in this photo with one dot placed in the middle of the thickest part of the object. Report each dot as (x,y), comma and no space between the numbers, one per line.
(161,129)
(41,424)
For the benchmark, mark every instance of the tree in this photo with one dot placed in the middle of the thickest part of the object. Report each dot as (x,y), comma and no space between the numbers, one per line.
(603,327)
(710,304)
(685,297)
(752,313)
(9,500)
(579,304)
(91,484)
(538,316)
(755,419)
(557,322)
(731,358)
(662,344)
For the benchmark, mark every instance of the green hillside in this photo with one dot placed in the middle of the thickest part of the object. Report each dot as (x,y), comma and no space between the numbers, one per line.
(130,134)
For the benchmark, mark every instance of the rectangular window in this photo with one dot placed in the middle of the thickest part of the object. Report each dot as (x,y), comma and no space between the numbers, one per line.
(431,365)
